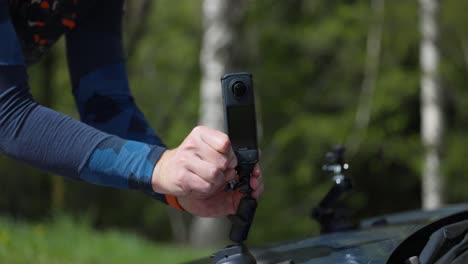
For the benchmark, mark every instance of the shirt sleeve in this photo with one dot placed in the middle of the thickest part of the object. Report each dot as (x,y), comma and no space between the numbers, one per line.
(100,82)
(57,143)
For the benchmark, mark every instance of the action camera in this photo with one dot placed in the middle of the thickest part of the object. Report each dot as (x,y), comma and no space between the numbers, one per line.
(240,121)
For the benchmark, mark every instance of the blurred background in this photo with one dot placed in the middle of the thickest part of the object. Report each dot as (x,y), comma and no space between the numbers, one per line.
(386,79)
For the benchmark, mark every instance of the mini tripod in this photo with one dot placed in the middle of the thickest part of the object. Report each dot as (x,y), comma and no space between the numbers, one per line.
(242,220)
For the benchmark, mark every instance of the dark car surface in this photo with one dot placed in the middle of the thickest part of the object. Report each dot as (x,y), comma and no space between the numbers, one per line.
(372,243)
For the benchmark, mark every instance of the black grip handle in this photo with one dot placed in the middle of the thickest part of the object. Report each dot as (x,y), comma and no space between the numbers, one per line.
(242,221)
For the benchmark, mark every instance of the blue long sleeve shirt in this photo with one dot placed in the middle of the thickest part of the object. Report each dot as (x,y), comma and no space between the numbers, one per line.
(113,145)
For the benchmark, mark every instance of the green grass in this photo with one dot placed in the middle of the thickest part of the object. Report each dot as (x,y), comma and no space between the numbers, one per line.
(66,241)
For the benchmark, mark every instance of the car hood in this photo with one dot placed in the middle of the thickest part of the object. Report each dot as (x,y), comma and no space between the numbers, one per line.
(365,246)
(371,244)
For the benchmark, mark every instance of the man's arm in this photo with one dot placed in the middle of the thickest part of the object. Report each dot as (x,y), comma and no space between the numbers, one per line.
(57,143)
(99,77)
(197,171)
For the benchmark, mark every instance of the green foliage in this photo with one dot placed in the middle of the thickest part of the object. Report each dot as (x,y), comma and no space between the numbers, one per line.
(164,72)
(308,60)
(309,74)
(65,240)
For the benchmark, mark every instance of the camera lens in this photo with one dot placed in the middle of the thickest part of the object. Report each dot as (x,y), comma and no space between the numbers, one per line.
(239,89)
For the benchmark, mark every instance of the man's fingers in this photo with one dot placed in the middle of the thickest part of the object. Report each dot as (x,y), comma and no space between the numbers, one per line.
(199,187)
(216,158)
(256,194)
(215,147)
(215,139)
(256,182)
(207,171)
(232,160)
(230,175)
(256,172)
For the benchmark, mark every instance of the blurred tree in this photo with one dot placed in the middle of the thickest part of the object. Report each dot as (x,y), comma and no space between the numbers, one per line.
(137,20)
(432,114)
(363,112)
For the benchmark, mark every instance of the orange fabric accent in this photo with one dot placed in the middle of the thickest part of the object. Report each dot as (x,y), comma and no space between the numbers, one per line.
(43,41)
(36,38)
(172,201)
(39,24)
(68,23)
(45,5)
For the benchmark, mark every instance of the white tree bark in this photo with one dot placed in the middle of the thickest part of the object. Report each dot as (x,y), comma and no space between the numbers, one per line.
(221,20)
(432,119)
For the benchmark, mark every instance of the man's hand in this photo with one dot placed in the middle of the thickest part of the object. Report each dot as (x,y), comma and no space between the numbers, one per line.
(197,171)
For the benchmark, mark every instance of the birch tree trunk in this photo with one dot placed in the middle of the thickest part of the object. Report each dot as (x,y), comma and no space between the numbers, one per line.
(432,119)
(221,20)
(371,72)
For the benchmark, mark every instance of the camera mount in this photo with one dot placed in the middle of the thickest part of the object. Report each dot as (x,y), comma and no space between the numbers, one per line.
(238,98)
(233,255)
(241,221)
(329,217)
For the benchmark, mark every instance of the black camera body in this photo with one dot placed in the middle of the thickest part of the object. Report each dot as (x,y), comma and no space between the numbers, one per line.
(239,111)
(240,121)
